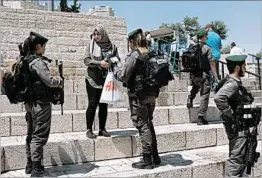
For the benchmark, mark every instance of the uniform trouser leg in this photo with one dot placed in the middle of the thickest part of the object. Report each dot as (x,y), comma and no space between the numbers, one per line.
(194,91)
(42,114)
(140,118)
(237,152)
(151,108)
(30,128)
(204,97)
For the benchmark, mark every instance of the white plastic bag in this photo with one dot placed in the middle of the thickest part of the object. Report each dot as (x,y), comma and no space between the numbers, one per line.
(110,91)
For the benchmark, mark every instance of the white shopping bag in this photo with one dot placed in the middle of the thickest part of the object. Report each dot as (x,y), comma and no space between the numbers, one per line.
(110,91)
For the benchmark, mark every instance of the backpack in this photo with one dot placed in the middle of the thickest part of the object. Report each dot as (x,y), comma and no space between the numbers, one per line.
(15,82)
(152,74)
(192,60)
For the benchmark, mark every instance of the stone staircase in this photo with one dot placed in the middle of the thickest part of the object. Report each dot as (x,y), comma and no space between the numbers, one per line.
(187,150)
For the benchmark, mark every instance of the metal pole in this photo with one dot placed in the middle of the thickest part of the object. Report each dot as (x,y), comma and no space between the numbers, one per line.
(258,68)
(223,72)
(1,2)
(52,5)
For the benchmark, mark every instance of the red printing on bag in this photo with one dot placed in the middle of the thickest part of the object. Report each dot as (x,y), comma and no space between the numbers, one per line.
(111,86)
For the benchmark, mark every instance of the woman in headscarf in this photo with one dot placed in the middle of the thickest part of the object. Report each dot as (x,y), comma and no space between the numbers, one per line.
(97,57)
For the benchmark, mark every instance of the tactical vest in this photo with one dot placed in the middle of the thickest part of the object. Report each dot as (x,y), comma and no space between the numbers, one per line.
(39,90)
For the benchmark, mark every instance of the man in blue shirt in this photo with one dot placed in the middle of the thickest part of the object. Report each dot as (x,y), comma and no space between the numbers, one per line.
(214,42)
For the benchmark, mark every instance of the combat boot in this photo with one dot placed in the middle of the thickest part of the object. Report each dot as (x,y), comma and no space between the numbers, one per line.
(38,170)
(156,157)
(104,133)
(202,121)
(28,168)
(189,103)
(146,163)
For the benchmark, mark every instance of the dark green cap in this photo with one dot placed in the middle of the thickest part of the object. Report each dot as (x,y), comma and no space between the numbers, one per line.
(201,33)
(236,58)
(134,33)
(37,38)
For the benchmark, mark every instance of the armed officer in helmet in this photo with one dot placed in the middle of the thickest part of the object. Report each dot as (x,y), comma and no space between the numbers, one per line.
(229,97)
(142,106)
(39,107)
(202,79)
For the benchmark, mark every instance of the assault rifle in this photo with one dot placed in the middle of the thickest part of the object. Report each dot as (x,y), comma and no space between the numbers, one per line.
(58,93)
(250,117)
(252,155)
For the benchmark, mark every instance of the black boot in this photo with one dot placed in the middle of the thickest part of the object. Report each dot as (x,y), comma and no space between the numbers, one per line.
(156,159)
(104,133)
(202,121)
(189,103)
(28,168)
(90,134)
(146,163)
(38,170)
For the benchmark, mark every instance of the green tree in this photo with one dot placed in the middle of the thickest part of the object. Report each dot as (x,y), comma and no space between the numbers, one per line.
(63,6)
(189,25)
(220,28)
(259,54)
(75,7)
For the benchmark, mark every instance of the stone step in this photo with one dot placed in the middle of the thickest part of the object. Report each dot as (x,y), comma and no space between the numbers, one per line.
(202,162)
(79,101)
(14,124)
(68,148)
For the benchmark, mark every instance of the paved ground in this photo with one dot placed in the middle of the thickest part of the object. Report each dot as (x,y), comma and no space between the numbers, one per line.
(191,163)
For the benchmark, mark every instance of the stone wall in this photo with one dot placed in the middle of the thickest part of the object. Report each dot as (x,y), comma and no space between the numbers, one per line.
(68,33)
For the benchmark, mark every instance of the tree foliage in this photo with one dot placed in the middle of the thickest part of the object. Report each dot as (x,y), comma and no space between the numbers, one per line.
(220,28)
(191,25)
(259,54)
(74,8)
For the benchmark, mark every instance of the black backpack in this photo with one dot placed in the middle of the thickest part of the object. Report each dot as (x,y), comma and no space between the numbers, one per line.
(194,61)
(15,82)
(152,74)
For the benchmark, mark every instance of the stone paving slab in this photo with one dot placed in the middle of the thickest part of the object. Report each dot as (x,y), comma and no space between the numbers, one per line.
(75,120)
(68,148)
(203,162)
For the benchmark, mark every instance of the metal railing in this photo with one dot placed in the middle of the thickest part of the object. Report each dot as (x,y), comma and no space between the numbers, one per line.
(176,64)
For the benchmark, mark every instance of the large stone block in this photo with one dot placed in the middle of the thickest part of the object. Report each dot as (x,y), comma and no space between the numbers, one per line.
(69,152)
(111,123)
(200,138)
(177,86)
(164,99)
(180,98)
(62,123)
(5,126)
(15,157)
(79,122)
(179,115)
(18,125)
(171,142)
(205,169)
(79,85)
(2,159)
(8,107)
(120,147)
(68,86)
(221,136)
(160,117)
(124,119)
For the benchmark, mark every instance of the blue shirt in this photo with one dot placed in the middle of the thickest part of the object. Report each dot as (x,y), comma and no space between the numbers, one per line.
(214,42)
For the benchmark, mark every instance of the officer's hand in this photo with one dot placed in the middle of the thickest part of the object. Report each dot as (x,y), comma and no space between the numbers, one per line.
(104,64)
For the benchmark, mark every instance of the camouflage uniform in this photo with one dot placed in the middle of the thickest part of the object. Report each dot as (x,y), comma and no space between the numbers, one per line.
(201,81)
(39,112)
(227,99)
(142,109)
